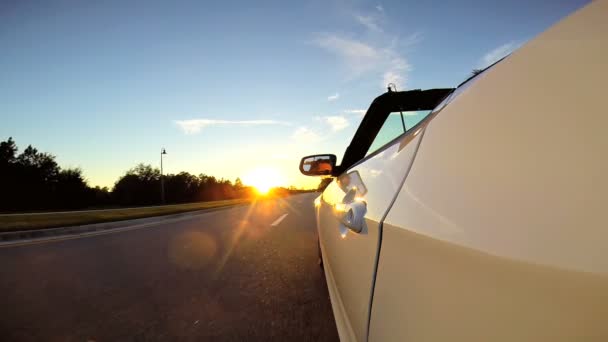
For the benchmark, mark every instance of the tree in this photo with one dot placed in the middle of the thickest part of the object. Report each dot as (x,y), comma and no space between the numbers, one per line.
(8,172)
(72,190)
(100,196)
(181,187)
(34,180)
(42,164)
(238,184)
(8,150)
(145,173)
(140,185)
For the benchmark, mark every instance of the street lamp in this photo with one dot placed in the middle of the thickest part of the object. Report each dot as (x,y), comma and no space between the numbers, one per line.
(162,180)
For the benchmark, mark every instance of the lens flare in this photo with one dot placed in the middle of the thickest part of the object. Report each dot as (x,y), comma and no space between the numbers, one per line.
(192,250)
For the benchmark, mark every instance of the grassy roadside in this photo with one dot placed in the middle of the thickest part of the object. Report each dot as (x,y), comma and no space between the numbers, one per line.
(9,223)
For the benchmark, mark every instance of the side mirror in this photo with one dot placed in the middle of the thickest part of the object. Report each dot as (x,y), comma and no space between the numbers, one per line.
(318,165)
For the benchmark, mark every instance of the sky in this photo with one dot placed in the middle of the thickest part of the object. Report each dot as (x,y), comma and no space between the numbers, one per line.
(230,87)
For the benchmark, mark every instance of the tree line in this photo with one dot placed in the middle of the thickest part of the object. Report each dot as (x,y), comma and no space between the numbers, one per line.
(141,185)
(32,180)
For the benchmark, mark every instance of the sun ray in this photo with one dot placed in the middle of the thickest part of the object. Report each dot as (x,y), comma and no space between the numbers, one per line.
(235,238)
(283,202)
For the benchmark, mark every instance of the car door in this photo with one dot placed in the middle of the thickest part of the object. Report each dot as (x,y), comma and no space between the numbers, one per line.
(366,189)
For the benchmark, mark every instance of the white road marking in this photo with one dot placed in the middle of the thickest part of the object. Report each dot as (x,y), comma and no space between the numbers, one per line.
(276,223)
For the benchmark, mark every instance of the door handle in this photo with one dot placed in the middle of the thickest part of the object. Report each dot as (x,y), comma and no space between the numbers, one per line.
(352,215)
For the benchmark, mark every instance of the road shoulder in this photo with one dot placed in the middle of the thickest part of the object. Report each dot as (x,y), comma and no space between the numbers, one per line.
(18,238)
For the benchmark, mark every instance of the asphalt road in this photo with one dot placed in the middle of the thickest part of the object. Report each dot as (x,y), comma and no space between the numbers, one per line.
(229,275)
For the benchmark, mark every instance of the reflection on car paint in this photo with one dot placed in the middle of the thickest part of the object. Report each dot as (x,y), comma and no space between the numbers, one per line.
(352,184)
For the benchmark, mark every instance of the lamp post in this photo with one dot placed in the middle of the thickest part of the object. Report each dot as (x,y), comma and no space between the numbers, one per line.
(162,180)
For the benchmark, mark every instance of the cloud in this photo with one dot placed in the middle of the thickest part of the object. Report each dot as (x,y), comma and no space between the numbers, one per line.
(392,77)
(358,56)
(195,125)
(369,22)
(355,111)
(336,122)
(380,55)
(498,53)
(305,135)
(380,8)
(333,97)
(397,73)
(412,39)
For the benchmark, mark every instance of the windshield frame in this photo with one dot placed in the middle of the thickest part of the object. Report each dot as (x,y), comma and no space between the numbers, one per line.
(441,104)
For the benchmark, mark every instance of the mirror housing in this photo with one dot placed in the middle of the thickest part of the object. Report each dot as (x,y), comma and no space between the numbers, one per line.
(318,165)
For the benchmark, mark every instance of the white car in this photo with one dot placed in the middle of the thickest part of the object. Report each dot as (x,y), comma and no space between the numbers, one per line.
(480,213)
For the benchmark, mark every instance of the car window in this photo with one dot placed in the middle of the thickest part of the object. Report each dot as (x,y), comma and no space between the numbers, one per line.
(411,119)
(396,124)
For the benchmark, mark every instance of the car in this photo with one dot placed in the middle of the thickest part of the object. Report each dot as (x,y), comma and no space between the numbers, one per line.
(478,213)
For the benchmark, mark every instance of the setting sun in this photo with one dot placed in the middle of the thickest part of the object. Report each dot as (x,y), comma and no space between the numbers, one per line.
(263,179)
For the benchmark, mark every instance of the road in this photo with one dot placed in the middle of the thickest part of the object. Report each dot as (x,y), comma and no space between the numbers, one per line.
(243,273)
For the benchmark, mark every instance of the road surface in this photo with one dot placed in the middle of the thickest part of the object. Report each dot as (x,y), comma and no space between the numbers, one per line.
(243,273)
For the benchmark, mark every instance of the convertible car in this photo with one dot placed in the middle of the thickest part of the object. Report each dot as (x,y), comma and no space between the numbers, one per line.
(478,213)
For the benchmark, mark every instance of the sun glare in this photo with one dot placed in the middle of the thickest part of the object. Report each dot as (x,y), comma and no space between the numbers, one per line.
(263,179)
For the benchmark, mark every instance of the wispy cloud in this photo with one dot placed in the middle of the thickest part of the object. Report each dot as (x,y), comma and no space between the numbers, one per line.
(358,56)
(397,73)
(498,53)
(355,111)
(381,55)
(333,97)
(369,22)
(362,58)
(305,135)
(196,125)
(335,122)
(380,8)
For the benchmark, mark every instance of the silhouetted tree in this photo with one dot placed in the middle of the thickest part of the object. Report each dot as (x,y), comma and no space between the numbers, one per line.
(72,189)
(140,185)
(34,180)
(37,176)
(8,169)
(181,187)
(100,196)
(8,150)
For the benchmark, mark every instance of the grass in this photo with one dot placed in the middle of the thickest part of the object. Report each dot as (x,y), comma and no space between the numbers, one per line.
(32,221)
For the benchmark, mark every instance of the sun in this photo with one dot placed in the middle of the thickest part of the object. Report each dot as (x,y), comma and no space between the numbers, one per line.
(263,179)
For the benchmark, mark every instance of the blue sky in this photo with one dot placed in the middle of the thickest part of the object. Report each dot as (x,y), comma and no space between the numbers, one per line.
(230,86)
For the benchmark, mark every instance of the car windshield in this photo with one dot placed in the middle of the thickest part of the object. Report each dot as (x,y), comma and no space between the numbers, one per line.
(396,124)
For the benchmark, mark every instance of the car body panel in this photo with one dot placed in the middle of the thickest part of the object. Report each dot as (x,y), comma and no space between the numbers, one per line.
(432,290)
(499,232)
(349,257)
